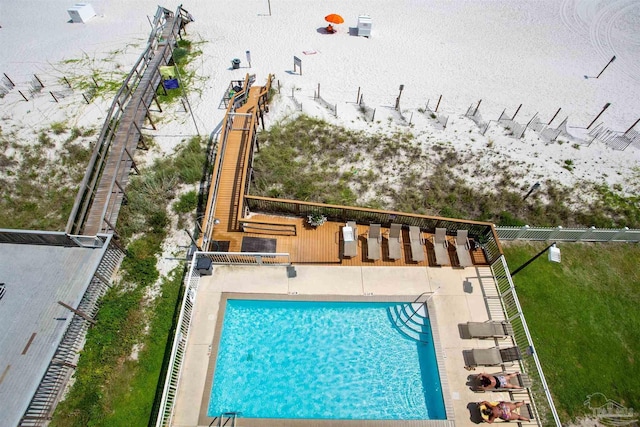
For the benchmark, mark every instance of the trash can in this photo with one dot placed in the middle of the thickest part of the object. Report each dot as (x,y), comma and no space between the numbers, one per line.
(235,63)
(204,266)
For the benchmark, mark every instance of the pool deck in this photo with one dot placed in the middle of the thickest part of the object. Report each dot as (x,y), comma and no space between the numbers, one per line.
(459,298)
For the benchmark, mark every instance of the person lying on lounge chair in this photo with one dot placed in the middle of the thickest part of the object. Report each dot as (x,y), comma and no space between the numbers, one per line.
(330,29)
(490,381)
(492,411)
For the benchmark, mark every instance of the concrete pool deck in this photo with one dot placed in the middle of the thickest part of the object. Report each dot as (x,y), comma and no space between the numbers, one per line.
(459,298)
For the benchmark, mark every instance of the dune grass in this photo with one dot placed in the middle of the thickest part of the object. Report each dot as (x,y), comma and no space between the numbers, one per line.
(584,319)
(305,158)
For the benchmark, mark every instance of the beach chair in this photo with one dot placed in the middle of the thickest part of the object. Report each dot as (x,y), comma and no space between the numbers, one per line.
(395,241)
(350,239)
(462,248)
(490,356)
(373,242)
(441,247)
(521,380)
(417,244)
(490,329)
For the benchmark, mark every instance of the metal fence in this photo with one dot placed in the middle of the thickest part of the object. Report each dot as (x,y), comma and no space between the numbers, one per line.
(178,349)
(503,304)
(591,234)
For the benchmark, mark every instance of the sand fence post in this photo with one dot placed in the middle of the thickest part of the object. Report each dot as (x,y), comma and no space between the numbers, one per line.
(600,113)
(358,96)
(516,113)
(438,104)
(38,80)
(632,126)
(10,81)
(398,98)
(477,106)
(554,116)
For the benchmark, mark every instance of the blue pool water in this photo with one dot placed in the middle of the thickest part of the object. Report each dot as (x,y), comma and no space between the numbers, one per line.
(323,360)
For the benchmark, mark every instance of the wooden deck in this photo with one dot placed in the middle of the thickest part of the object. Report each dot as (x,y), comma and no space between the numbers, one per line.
(324,245)
(286,234)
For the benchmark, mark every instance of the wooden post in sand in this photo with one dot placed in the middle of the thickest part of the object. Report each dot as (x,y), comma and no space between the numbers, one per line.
(632,126)
(38,80)
(398,98)
(7,77)
(358,96)
(477,106)
(554,116)
(605,67)
(516,113)
(600,113)
(438,104)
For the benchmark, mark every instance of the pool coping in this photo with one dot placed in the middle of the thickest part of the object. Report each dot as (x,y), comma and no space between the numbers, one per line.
(204,419)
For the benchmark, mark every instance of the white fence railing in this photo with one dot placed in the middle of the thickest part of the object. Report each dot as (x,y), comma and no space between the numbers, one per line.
(591,234)
(196,270)
(510,308)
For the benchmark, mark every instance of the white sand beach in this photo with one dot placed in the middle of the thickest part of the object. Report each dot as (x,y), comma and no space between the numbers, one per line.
(499,53)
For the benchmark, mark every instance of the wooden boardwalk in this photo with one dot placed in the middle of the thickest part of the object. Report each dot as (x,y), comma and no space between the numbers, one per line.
(286,234)
(110,193)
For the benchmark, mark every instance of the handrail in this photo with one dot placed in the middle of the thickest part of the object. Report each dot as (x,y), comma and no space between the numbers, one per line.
(414,311)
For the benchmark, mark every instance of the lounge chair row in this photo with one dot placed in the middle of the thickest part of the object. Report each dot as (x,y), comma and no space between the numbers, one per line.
(416,243)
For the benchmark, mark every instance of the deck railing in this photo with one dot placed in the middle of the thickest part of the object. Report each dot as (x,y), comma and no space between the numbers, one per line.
(503,303)
(561,234)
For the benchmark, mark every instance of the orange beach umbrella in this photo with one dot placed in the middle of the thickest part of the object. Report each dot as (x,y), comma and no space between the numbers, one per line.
(334,18)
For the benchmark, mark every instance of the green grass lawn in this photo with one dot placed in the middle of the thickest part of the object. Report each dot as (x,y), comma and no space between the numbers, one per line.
(584,318)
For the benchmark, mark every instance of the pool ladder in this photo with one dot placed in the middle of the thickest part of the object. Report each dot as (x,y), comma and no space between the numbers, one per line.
(228,417)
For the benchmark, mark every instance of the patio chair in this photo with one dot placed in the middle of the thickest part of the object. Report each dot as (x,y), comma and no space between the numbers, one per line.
(395,241)
(350,239)
(490,356)
(441,247)
(521,380)
(463,247)
(417,242)
(373,242)
(490,329)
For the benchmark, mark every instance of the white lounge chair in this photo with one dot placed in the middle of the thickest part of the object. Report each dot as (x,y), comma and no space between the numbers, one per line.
(462,248)
(350,239)
(417,244)
(395,241)
(441,247)
(373,242)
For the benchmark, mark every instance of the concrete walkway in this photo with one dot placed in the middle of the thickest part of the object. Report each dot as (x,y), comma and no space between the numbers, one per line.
(458,298)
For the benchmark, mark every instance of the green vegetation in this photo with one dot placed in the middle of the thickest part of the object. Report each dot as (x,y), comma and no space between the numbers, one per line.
(584,319)
(39,189)
(184,53)
(308,159)
(120,365)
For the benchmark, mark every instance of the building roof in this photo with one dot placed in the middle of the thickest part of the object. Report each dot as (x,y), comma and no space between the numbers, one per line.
(32,322)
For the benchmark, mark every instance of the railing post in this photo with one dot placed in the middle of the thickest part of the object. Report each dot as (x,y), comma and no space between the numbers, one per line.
(522,231)
(618,234)
(587,233)
(554,234)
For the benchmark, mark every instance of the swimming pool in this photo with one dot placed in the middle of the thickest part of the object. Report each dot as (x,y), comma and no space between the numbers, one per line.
(323,360)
